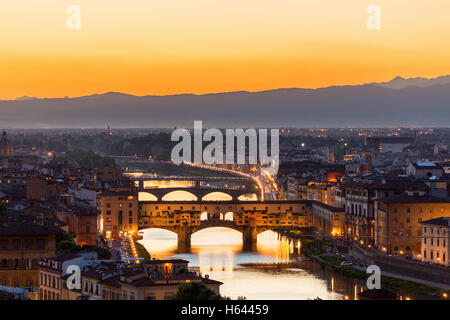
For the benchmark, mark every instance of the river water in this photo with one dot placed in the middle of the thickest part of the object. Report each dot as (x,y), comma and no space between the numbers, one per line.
(218,253)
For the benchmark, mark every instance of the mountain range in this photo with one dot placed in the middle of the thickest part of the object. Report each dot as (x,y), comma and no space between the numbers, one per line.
(399,102)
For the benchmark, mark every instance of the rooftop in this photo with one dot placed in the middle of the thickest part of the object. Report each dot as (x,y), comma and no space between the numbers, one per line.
(16,229)
(441,221)
(404,198)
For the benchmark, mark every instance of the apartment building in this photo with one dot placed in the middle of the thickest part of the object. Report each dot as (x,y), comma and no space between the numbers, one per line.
(435,240)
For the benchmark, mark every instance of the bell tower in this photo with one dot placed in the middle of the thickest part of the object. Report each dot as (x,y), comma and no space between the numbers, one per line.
(6,148)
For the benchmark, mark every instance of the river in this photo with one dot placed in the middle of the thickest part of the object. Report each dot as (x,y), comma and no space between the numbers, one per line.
(218,253)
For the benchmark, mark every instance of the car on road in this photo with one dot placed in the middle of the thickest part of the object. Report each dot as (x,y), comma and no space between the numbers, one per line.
(346,263)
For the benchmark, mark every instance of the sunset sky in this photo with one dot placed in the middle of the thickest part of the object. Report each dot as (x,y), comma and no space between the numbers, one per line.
(200,46)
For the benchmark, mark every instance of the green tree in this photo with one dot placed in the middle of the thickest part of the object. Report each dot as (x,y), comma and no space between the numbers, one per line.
(67,246)
(195,291)
(64,236)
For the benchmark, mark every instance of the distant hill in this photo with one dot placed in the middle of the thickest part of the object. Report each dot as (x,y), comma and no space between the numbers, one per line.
(400,102)
(401,83)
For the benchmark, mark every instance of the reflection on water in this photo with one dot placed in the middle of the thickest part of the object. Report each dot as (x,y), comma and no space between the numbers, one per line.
(218,252)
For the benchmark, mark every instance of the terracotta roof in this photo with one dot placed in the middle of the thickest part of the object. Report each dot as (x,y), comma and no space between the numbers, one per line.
(324,205)
(65,257)
(112,281)
(26,229)
(388,184)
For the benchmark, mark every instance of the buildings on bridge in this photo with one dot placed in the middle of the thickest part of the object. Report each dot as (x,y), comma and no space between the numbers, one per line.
(248,217)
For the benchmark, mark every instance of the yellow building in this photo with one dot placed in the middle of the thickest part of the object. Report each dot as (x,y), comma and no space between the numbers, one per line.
(328,220)
(119,212)
(435,240)
(398,221)
(22,245)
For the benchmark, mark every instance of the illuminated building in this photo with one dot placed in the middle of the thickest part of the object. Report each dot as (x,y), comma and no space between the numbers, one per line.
(435,240)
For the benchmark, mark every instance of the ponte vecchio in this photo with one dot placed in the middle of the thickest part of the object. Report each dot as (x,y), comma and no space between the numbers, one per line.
(249,217)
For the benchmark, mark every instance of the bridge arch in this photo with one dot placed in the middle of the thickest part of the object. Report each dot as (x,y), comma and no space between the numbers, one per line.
(229,216)
(249,196)
(217,196)
(147,196)
(179,195)
(223,224)
(159,229)
(204,216)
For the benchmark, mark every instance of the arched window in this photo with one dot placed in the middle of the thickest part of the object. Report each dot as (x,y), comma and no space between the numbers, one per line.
(4,263)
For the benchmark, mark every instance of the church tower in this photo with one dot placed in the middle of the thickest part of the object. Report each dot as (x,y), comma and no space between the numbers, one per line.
(6,148)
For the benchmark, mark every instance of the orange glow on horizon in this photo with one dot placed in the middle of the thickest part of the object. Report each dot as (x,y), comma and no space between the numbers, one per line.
(155,47)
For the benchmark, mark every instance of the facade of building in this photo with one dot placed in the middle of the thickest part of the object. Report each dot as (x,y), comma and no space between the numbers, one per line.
(424,170)
(328,220)
(22,245)
(118,213)
(435,240)
(361,204)
(38,188)
(399,221)
(81,224)
(51,270)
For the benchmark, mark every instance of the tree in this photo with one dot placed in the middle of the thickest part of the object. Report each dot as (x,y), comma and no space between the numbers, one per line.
(67,246)
(195,291)
(63,236)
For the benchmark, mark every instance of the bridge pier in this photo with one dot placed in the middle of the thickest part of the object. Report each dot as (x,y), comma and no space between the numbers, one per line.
(250,238)
(184,239)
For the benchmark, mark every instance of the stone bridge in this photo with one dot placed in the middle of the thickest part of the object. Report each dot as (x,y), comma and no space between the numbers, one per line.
(248,217)
(201,192)
(185,231)
(200,186)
